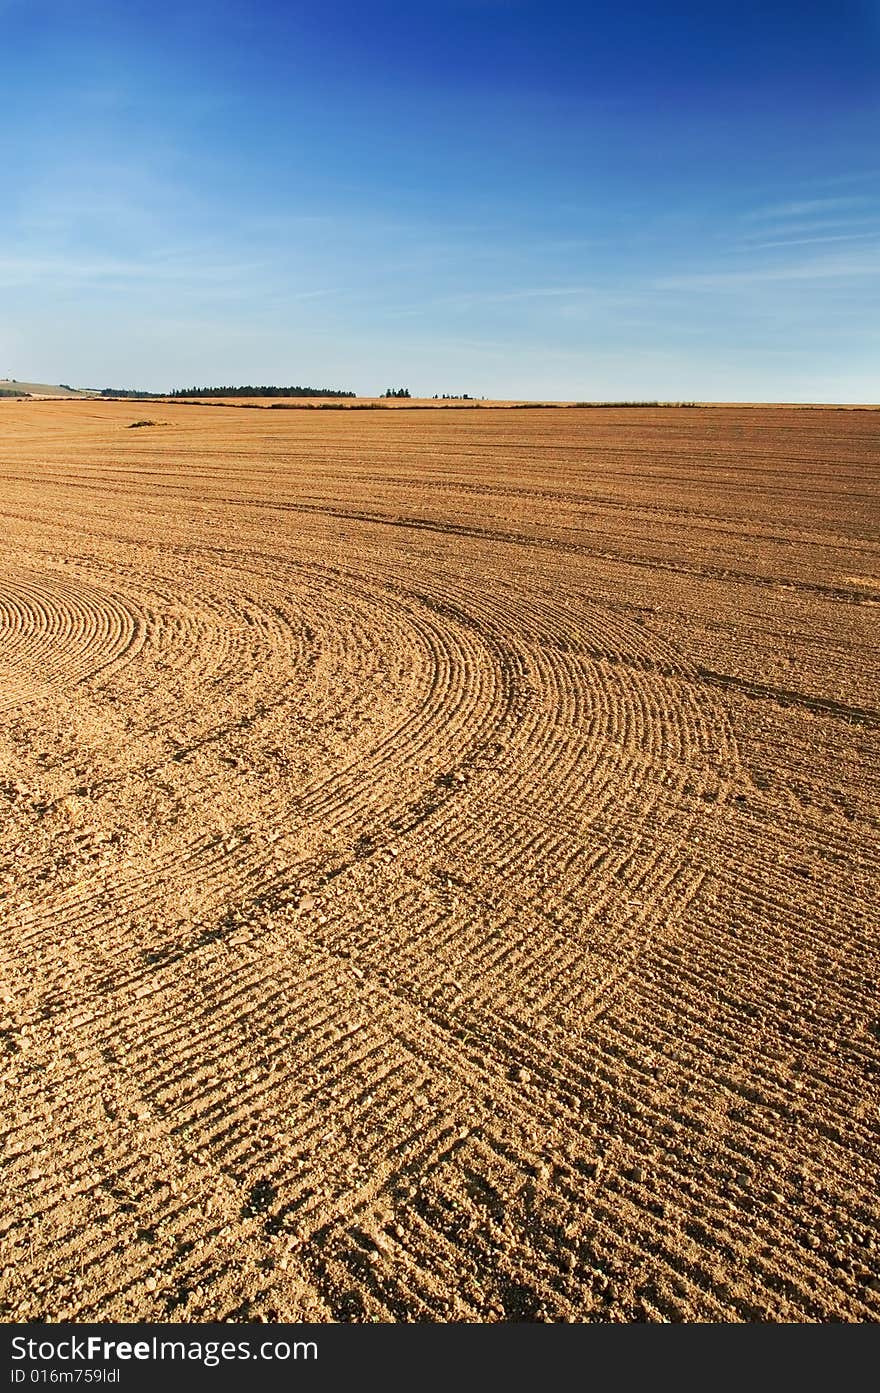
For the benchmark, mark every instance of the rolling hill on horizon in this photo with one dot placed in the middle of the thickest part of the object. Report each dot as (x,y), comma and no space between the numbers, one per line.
(42,389)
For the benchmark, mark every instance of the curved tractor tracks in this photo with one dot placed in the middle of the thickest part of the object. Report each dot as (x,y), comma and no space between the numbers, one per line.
(383,935)
(54,633)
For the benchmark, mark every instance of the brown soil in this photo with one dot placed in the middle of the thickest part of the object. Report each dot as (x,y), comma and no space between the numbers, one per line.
(438,865)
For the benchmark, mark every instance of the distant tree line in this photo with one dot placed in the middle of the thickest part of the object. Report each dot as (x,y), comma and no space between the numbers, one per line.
(127,392)
(396,392)
(135,395)
(259,392)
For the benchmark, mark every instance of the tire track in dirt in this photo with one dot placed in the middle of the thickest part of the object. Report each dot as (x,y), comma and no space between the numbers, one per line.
(338,797)
(55,632)
(620,729)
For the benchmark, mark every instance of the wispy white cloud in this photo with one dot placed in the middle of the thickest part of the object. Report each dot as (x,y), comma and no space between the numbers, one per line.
(803,241)
(61,270)
(810,226)
(858,265)
(473,299)
(523,293)
(805,206)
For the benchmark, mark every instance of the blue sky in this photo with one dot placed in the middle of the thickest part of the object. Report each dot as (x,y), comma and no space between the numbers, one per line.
(500,197)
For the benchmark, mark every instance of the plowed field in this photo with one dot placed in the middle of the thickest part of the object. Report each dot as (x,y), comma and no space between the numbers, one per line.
(438,864)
